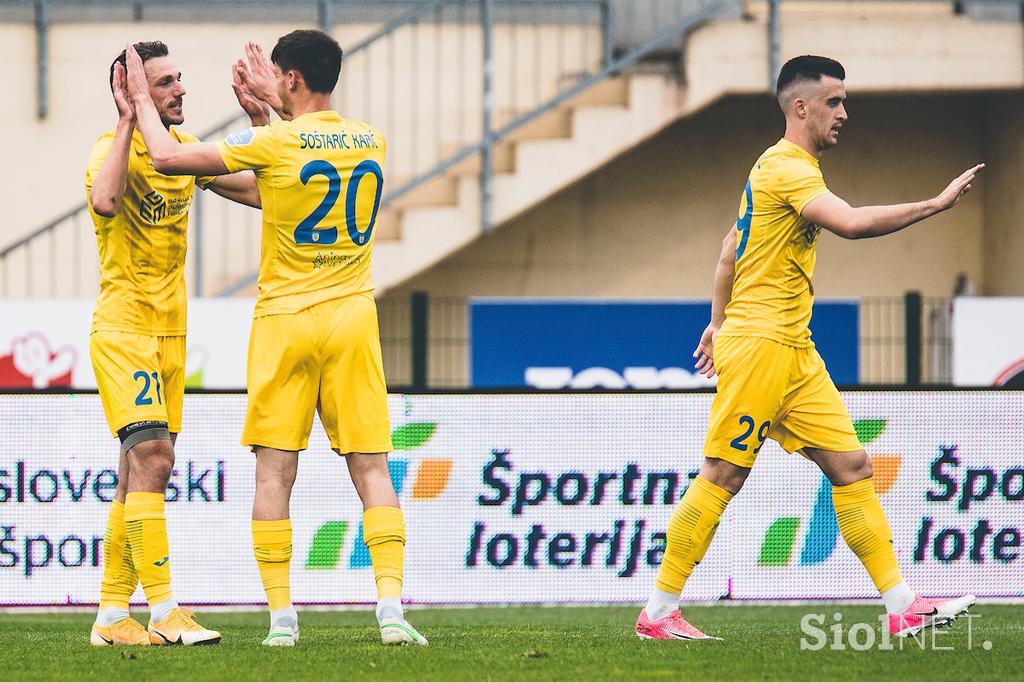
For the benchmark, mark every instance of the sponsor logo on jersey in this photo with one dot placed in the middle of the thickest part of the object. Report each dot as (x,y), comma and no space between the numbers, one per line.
(153,207)
(241,138)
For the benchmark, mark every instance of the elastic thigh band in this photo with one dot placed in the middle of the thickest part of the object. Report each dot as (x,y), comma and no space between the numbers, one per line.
(140,432)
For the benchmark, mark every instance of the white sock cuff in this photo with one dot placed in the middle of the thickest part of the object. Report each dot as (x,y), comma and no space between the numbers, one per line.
(159,612)
(286,617)
(389,607)
(109,615)
(661,604)
(898,599)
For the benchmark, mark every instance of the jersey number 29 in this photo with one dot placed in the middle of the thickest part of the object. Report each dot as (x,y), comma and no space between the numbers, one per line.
(743,224)
(307,232)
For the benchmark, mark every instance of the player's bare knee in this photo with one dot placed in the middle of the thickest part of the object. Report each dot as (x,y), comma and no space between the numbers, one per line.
(153,457)
(842,468)
(275,469)
(271,481)
(725,475)
(861,467)
(367,465)
(149,449)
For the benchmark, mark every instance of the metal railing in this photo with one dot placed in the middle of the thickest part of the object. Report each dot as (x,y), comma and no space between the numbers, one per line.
(514,61)
(518,61)
(440,357)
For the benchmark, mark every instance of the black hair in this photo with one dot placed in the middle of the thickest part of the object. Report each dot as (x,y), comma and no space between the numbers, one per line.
(314,54)
(147,50)
(808,68)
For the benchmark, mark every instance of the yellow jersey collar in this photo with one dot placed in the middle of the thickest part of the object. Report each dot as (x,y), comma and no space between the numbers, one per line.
(326,115)
(799,150)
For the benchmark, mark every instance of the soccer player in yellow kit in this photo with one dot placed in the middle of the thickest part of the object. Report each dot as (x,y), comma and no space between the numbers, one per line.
(137,345)
(315,343)
(772,382)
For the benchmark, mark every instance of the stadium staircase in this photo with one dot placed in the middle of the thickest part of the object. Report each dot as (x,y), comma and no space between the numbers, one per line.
(571,86)
(602,106)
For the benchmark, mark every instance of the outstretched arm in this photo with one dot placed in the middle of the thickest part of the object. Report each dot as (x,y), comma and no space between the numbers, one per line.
(168,155)
(110,182)
(725,273)
(835,215)
(238,187)
(241,187)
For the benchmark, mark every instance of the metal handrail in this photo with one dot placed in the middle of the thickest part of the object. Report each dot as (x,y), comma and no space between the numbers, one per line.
(692,20)
(42,230)
(408,16)
(608,66)
(411,15)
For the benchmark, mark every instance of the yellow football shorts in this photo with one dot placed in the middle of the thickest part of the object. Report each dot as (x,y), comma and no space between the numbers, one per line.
(140,378)
(767,389)
(326,357)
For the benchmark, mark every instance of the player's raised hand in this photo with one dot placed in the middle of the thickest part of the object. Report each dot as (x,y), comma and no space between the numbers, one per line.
(704,353)
(138,87)
(122,99)
(258,110)
(959,187)
(258,74)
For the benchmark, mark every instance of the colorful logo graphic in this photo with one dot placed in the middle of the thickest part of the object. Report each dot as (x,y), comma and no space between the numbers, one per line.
(32,363)
(430,481)
(823,529)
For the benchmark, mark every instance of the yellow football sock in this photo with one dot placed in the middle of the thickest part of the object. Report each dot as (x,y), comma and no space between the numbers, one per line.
(272,545)
(866,531)
(384,534)
(147,535)
(119,576)
(690,531)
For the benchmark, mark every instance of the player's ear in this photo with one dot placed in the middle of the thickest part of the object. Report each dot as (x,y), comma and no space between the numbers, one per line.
(800,107)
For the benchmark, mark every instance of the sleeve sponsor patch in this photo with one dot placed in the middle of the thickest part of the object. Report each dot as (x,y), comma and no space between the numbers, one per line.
(241,138)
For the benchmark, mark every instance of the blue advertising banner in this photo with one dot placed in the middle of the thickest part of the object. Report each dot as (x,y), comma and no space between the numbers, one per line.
(621,344)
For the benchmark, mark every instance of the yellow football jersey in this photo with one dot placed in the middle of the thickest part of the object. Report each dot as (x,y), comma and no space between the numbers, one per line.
(772,292)
(142,248)
(320,178)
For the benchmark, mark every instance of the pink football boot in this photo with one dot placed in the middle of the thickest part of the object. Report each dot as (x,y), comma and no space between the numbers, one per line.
(673,626)
(925,613)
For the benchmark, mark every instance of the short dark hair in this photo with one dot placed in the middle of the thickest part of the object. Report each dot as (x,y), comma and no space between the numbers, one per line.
(314,54)
(147,50)
(808,68)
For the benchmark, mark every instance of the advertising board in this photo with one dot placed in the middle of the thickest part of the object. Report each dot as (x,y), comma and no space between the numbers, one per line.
(585,344)
(527,499)
(987,346)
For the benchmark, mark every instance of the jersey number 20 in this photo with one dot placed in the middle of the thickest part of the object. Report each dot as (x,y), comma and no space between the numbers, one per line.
(307,232)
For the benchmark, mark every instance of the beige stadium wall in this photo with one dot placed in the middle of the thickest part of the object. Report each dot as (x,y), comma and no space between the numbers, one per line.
(50,155)
(650,223)
(441,89)
(1003,252)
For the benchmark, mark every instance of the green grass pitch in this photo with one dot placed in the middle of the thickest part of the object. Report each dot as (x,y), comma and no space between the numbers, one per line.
(528,643)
